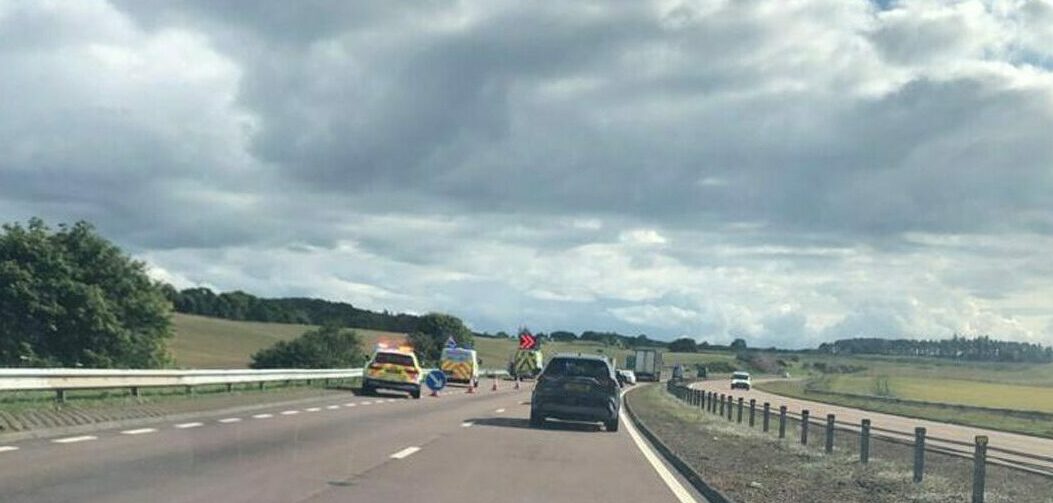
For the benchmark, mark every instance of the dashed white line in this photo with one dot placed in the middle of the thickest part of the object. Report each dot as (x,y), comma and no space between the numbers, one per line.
(333,407)
(350,404)
(140,431)
(290,412)
(367,403)
(8,448)
(499,411)
(405,452)
(184,426)
(391,400)
(263,416)
(228,420)
(313,409)
(467,424)
(71,440)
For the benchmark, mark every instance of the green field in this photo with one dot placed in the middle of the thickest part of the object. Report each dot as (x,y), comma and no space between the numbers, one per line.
(202,342)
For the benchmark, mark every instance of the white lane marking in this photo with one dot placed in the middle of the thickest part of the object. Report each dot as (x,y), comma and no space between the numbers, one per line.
(140,431)
(391,400)
(333,407)
(405,452)
(350,404)
(313,409)
(8,448)
(674,485)
(290,412)
(71,440)
(466,424)
(499,411)
(184,426)
(263,416)
(366,403)
(228,420)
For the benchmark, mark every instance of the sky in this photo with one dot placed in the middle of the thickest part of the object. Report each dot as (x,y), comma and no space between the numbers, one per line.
(785,171)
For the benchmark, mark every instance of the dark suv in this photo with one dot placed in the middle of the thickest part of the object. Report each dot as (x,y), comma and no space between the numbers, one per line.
(577,387)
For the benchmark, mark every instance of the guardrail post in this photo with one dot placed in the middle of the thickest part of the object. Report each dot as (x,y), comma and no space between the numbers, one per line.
(731,407)
(979,468)
(261,385)
(722,405)
(190,390)
(712,401)
(702,400)
(739,417)
(804,427)
(782,421)
(919,454)
(698,397)
(830,433)
(767,415)
(60,395)
(864,442)
(753,411)
(135,391)
(230,387)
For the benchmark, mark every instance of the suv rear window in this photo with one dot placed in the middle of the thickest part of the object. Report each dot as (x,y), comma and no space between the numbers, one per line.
(394,358)
(577,367)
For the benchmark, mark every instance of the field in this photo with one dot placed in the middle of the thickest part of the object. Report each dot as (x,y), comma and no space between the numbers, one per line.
(202,342)
(951,391)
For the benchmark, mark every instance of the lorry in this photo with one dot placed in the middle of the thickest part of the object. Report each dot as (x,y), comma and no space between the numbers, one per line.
(647,365)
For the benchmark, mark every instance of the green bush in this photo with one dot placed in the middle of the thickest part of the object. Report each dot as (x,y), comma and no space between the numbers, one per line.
(326,347)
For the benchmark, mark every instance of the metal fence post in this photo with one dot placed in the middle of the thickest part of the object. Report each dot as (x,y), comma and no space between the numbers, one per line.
(804,427)
(919,454)
(753,411)
(767,415)
(864,442)
(979,468)
(739,420)
(830,433)
(782,421)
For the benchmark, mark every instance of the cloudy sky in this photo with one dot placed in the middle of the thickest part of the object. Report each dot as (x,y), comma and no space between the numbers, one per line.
(785,171)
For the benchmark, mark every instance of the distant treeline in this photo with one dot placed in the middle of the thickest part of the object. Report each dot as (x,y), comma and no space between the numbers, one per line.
(959,348)
(246,307)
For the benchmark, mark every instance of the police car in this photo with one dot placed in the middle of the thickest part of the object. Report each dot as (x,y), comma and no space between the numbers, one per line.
(392,368)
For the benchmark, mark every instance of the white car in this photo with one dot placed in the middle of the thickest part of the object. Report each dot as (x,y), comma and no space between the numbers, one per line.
(627,376)
(741,380)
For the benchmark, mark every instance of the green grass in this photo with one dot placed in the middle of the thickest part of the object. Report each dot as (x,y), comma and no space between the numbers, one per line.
(951,391)
(202,342)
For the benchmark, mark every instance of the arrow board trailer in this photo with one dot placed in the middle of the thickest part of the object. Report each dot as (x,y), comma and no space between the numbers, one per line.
(647,365)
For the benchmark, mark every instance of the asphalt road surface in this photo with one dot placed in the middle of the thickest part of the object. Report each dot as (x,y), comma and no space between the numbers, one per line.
(818,411)
(457,447)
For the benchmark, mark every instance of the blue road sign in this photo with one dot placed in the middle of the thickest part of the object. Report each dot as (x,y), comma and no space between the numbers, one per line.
(436,380)
(451,343)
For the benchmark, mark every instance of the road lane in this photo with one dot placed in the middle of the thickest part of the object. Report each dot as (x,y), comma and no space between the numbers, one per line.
(818,411)
(344,454)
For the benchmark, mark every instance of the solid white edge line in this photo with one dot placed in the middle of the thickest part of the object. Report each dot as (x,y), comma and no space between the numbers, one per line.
(405,452)
(682,494)
(139,431)
(8,448)
(184,426)
(228,420)
(70,440)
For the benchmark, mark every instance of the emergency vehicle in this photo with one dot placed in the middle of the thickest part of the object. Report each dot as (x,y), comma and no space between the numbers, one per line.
(392,368)
(460,365)
(528,360)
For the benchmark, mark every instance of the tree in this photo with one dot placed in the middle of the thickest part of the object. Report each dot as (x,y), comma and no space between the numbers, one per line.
(326,347)
(738,344)
(433,331)
(563,336)
(71,298)
(683,345)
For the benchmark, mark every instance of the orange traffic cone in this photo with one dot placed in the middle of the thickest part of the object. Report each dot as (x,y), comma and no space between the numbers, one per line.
(435,393)
(517,382)
(471,387)
(494,387)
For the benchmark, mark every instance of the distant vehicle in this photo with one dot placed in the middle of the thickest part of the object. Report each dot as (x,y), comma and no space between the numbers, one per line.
(740,380)
(460,365)
(577,387)
(628,377)
(647,365)
(392,368)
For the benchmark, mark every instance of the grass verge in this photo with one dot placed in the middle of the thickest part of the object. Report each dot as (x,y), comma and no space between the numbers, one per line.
(751,466)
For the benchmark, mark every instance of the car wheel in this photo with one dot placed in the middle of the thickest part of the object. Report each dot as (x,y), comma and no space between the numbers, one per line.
(536,420)
(368,390)
(611,425)
(415,393)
